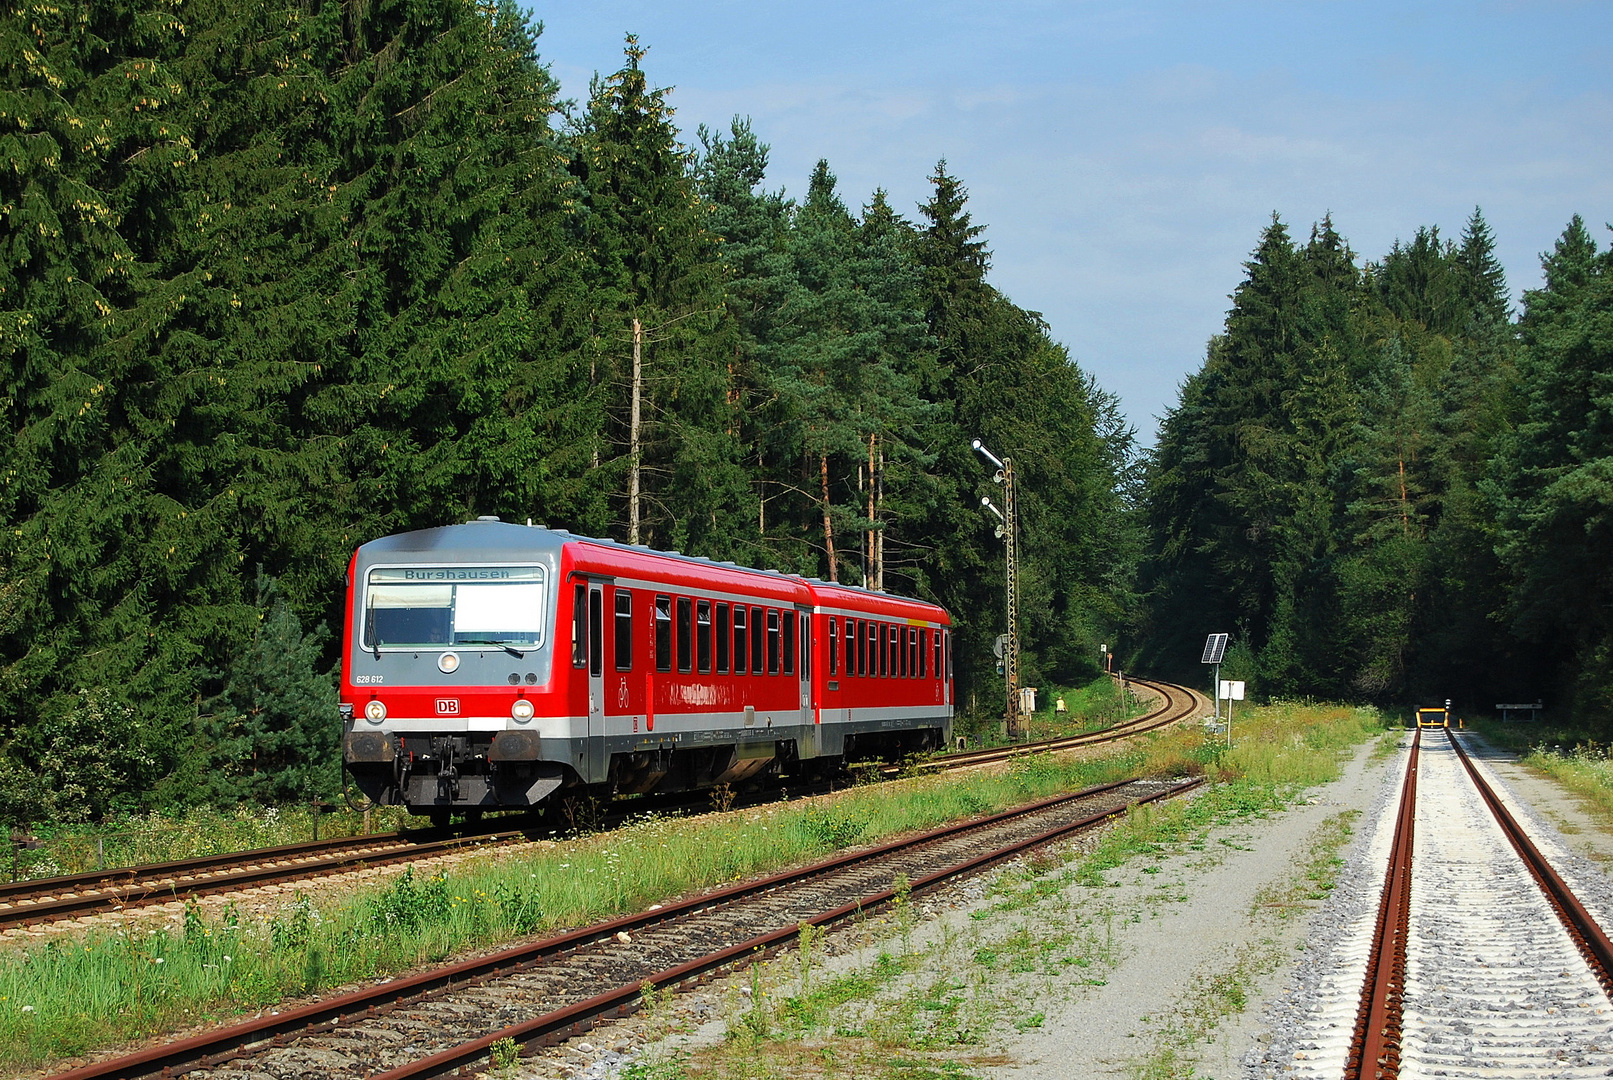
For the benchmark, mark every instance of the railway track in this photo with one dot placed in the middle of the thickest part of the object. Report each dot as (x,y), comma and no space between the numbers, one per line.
(1177,703)
(1482,961)
(45,900)
(447,1018)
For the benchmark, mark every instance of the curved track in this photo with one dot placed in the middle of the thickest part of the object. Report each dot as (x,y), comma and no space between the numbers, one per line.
(28,903)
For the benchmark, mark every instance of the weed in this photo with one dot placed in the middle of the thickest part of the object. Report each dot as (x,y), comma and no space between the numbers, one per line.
(722,798)
(833,828)
(504,1054)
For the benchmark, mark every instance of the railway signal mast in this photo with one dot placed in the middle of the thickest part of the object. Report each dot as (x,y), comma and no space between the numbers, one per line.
(1009,533)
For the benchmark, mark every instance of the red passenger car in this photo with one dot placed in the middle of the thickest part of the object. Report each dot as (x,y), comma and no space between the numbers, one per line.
(488,665)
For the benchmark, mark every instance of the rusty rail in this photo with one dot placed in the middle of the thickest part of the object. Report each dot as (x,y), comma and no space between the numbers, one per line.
(1375,1044)
(1587,935)
(214,1047)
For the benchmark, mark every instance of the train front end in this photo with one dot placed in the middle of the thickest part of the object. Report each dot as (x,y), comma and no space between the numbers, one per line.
(449,696)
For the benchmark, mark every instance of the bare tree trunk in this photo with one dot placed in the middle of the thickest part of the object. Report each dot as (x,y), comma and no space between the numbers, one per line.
(867,555)
(633,433)
(1405,520)
(879,534)
(828,526)
(872,569)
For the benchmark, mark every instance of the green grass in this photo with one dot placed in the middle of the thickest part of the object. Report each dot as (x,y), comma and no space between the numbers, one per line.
(72,995)
(166,837)
(1090,707)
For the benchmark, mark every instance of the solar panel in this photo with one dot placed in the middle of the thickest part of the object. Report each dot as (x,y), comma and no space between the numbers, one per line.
(1215,646)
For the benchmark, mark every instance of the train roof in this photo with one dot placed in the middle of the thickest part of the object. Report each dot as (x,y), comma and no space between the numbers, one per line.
(490,538)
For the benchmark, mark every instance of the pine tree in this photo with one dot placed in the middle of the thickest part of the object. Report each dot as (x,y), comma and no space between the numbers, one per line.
(655,261)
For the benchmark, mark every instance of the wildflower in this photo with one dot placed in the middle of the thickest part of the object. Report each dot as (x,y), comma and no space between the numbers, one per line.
(226,959)
(157,961)
(27,1008)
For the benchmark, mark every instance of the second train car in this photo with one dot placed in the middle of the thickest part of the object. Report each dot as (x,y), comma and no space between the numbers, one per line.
(488,665)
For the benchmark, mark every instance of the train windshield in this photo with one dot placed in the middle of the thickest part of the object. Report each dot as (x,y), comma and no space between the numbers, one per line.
(412,607)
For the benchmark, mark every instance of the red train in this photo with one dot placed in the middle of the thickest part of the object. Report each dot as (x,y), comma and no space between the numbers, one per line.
(489,665)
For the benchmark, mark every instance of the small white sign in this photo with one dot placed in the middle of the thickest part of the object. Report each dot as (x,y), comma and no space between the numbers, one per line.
(1231,690)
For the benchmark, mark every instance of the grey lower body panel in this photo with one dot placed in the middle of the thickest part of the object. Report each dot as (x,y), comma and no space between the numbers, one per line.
(520,769)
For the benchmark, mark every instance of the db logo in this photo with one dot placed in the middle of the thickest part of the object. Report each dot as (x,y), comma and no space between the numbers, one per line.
(447,706)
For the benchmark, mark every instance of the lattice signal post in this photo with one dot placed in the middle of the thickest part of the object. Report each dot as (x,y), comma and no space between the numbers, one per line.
(1009,531)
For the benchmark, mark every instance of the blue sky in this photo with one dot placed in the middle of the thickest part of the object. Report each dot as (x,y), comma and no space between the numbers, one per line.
(1124,157)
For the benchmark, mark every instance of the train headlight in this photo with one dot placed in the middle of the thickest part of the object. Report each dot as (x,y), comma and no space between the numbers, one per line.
(448,663)
(375,712)
(522,710)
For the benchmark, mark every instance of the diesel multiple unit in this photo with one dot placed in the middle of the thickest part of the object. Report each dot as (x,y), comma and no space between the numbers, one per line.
(486,666)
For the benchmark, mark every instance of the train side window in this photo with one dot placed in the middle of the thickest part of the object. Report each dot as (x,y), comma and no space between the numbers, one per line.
(898,663)
(723,640)
(756,631)
(663,633)
(912,652)
(924,653)
(702,641)
(789,641)
(862,647)
(772,641)
(901,650)
(624,630)
(884,650)
(834,643)
(806,644)
(579,626)
(739,639)
(596,631)
(947,652)
(685,633)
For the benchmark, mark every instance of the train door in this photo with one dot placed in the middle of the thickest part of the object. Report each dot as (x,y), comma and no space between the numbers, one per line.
(804,620)
(596,678)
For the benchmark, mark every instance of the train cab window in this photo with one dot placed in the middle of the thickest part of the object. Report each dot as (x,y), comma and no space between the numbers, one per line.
(579,626)
(806,644)
(834,643)
(663,633)
(789,641)
(685,633)
(624,630)
(702,640)
(723,640)
(739,639)
(596,631)
(947,652)
(772,641)
(756,631)
(924,653)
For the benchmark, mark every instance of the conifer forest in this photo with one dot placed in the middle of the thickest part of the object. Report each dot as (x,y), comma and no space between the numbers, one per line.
(281,278)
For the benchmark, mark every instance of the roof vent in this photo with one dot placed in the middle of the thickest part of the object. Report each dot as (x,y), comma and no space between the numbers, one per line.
(488,517)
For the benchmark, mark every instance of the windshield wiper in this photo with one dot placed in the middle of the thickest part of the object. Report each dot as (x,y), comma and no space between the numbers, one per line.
(512,650)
